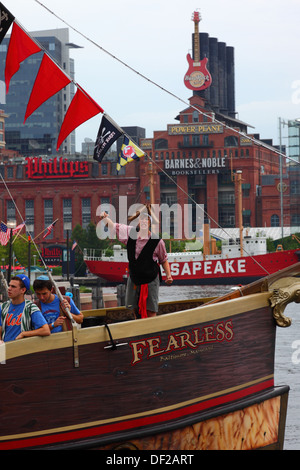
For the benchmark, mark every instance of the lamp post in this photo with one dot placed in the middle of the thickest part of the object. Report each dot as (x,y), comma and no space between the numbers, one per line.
(11,224)
(281,122)
(68,227)
(30,229)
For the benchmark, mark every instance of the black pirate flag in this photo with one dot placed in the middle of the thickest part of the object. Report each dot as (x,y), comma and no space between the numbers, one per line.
(6,19)
(108,133)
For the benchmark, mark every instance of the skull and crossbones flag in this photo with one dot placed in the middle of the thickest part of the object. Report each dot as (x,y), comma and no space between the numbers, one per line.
(6,19)
(108,133)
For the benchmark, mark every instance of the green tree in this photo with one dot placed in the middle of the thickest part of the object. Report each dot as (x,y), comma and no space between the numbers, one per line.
(86,238)
(19,251)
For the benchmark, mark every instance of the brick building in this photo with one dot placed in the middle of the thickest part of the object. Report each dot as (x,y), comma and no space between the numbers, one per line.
(193,161)
(46,189)
(201,155)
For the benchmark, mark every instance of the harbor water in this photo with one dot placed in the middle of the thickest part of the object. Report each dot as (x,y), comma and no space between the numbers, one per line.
(287,357)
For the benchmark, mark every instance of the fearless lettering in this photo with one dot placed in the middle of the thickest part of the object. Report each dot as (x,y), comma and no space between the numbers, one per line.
(155,346)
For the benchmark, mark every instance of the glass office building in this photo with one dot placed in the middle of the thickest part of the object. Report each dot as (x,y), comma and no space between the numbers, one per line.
(38,136)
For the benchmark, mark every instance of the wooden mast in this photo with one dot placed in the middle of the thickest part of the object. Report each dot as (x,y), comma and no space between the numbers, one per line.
(151,182)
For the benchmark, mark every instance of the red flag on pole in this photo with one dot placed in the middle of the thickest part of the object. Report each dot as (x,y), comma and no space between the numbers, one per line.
(49,80)
(20,47)
(82,108)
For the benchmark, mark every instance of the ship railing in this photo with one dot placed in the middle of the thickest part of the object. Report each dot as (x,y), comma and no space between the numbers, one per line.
(92,254)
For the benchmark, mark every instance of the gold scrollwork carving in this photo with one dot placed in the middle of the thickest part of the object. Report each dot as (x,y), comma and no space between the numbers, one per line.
(280,298)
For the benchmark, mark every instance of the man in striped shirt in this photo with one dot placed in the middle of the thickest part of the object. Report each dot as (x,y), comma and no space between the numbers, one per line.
(19,317)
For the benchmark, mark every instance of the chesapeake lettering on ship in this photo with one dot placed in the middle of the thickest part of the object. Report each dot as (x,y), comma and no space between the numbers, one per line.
(148,348)
(207,268)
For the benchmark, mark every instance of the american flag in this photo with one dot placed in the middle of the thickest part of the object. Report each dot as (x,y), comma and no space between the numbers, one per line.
(49,229)
(18,228)
(4,234)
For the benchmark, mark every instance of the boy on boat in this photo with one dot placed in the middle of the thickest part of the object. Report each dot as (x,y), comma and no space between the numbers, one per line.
(21,318)
(145,252)
(51,307)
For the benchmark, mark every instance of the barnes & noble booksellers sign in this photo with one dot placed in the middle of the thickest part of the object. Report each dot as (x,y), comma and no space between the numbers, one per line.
(197,166)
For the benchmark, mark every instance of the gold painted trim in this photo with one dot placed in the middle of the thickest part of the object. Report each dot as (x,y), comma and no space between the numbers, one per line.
(142,327)
(136,415)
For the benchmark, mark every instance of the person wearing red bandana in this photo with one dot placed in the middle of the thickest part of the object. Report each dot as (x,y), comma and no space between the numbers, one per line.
(145,251)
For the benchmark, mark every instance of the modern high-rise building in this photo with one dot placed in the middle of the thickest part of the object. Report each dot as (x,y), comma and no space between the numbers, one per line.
(38,136)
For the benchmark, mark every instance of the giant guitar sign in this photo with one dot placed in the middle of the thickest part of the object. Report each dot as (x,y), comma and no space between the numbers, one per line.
(197,76)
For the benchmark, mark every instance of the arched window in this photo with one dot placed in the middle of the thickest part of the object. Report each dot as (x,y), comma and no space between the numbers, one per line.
(195,116)
(274,220)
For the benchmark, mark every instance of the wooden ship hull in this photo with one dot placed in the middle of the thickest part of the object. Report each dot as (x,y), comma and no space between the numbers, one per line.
(201,377)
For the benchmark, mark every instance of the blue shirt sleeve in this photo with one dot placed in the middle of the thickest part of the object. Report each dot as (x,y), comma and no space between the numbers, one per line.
(73,308)
(38,319)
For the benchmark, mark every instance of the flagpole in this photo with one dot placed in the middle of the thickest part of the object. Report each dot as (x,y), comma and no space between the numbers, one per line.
(45,229)
(77,246)
(114,123)
(9,256)
(17,235)
(29,256)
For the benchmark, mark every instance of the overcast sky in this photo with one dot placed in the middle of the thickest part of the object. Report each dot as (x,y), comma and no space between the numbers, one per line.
(154,38)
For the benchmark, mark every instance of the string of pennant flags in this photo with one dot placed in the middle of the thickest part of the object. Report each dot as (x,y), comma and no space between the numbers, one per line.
(50,79)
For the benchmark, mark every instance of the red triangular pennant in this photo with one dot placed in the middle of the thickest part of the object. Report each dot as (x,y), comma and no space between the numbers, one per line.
(20,47)
(49,80)
(81,109)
